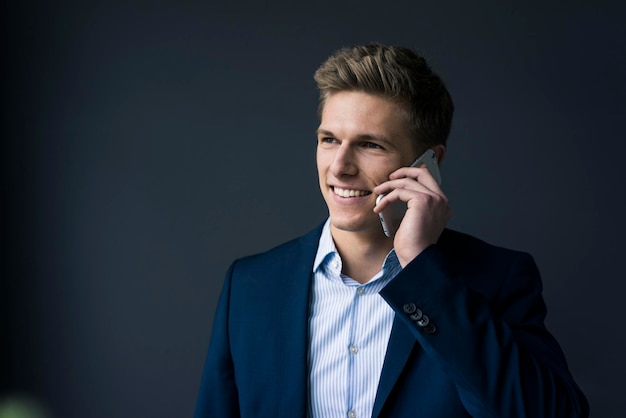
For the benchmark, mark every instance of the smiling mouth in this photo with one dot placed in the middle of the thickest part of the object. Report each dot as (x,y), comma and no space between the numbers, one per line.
(349,192)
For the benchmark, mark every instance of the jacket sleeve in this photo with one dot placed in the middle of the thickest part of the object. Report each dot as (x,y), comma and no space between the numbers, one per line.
(492,344)
(217,397)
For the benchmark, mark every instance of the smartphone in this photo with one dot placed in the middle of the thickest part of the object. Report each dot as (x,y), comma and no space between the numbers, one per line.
(391,216)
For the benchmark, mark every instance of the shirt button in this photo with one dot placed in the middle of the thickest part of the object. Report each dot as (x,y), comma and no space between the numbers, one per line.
(354,350)
(352,414)
(360,291)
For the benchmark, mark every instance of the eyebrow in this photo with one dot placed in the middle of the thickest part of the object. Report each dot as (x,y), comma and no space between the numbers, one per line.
(362,137)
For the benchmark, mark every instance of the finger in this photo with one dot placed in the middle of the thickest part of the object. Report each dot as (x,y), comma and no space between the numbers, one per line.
(386,199)
(420,174)
(405,183)
(418,194)
(407,172)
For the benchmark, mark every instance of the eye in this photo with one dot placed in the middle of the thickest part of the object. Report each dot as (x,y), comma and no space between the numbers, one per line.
(371,145)
(327,140)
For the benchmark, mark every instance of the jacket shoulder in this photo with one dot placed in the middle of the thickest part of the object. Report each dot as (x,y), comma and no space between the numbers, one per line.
(303,246)
(461,246)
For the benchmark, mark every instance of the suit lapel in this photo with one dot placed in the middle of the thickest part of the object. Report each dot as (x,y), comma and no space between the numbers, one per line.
(401,344)
(294,319)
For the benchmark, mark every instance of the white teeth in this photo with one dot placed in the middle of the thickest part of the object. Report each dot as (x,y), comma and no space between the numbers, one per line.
(350,193)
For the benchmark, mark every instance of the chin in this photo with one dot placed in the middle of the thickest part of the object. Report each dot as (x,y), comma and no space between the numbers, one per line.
(353,225)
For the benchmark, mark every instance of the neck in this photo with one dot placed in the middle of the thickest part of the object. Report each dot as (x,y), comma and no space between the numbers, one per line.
(362,253)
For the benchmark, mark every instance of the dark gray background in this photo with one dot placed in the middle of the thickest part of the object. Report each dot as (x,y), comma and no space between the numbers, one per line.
(148,144)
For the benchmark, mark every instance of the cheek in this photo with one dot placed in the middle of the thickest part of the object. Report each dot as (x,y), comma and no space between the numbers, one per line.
(323,161)
(380,178)
(381,174)
(321,170)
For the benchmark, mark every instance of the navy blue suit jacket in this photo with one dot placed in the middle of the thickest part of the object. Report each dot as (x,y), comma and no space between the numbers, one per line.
(490,354)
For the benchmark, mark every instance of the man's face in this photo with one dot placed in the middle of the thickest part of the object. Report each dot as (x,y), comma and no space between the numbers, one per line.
(361,139)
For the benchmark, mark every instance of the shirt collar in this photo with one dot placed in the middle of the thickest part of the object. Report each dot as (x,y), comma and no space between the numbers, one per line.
(327,253)
(326,249)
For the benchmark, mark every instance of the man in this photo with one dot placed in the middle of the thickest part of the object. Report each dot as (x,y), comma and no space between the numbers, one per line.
(347,322)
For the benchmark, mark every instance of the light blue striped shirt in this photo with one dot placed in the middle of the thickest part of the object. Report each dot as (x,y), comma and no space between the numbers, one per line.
(349,328)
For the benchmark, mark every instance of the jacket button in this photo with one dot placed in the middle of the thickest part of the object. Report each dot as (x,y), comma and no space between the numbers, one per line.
(423,321)
(430,328)
(417,315)
(409,308)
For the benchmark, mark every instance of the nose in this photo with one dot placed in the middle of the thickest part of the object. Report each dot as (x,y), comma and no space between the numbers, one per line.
(344,162)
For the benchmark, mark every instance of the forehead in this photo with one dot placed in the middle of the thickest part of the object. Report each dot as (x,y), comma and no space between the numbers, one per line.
(353,109)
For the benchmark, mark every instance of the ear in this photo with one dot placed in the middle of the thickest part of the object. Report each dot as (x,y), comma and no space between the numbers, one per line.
(440,150)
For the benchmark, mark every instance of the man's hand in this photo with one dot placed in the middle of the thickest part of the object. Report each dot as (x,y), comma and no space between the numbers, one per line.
(427,214)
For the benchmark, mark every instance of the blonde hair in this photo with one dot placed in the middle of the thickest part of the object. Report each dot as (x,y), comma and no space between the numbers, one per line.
(397,74)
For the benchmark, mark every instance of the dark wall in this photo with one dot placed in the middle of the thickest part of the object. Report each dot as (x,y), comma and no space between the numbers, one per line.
(145,145)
